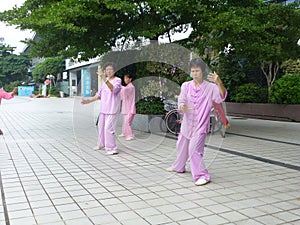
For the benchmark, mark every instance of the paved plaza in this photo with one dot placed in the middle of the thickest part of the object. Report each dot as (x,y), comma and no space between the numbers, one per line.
(50,174)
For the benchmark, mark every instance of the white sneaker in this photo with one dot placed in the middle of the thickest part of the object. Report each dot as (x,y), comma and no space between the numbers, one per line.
(121,135)
(129,138)
(201,181)
(112,152)
(170,169)
(98,147)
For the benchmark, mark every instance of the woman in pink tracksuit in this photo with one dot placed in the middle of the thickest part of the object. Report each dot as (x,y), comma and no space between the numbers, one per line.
(128,107)
(7,96)
(109,94)
(195,101)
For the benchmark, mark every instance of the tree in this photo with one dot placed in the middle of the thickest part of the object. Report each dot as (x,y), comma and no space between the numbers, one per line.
(264,34)
(260,33)
(12,67)
(53,66)
(91,27)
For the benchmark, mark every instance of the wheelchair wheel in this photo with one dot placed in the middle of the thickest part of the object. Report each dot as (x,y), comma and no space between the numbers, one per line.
(216,124)
(173,121)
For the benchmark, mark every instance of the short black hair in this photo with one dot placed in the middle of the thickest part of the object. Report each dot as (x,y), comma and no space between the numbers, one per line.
(198,62)
(130,76)
(113,65)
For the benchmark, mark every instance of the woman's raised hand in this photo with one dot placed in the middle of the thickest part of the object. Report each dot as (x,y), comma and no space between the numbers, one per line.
(213,77)
(100,73)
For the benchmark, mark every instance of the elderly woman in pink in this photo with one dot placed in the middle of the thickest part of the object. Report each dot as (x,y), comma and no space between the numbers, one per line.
(7,96)
(195,101)
(109,94)
(128,107)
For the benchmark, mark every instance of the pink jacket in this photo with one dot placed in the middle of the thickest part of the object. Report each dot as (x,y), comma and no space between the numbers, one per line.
(5,95)
(200,100)
(110,100)
(128,99)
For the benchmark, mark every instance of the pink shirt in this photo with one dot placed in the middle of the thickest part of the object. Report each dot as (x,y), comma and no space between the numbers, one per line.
(110,100)
(200,100)
(5,95)
(128,99)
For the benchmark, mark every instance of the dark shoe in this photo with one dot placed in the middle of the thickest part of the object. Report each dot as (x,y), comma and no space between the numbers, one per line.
(1,133)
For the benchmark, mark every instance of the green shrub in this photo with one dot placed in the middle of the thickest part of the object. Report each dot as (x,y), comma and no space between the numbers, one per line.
(250,93)
(231,81)
(150,105)
(9,87)
(54,91)
(291,66)
(188,78)
(286,90)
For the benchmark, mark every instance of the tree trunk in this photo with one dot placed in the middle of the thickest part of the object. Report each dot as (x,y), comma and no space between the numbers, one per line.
(270,71)
(169,36)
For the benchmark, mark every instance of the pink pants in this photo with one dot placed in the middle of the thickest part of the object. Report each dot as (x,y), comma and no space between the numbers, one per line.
(126,127)
(107,124)
(192,149)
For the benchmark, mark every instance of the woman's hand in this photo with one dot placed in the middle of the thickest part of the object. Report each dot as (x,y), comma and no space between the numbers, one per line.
(184,108)
(15,91)
(100,73)
(85,101)
(213,77)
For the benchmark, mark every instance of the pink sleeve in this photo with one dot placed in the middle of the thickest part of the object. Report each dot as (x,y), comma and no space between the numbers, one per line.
(216,95)
(99,93)
(182,96)
(127,91)
(117,86)
(6,95)
(122,92)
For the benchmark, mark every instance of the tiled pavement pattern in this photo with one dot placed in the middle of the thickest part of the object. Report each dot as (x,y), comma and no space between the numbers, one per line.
(50,175)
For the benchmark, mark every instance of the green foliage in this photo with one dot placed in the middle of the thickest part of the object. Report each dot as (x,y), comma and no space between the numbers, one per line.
(12,67)
(52,66)
(286,90)
(189,78)
(232,73)
(54,91)
(291,66)
(150,105)
(9,87)
(250,93)
(263,34)
(153,88)
(231,81)
(164,70)
(165,60)
(92,27)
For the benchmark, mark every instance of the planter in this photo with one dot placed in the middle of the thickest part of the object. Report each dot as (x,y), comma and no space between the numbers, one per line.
(147,123)
(264,111)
